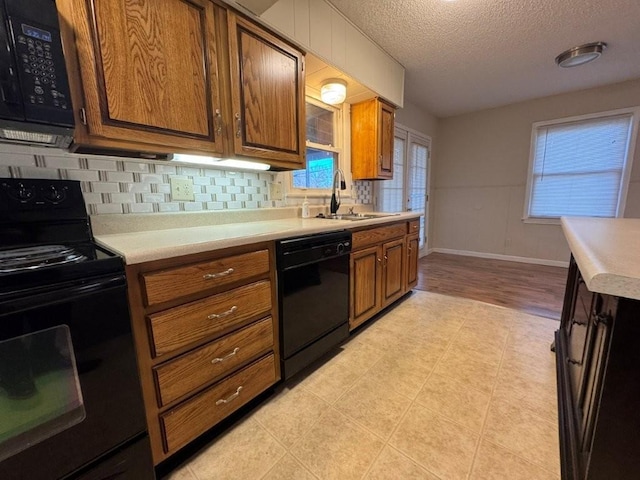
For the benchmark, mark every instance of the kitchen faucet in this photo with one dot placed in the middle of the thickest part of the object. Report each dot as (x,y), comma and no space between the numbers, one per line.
(335,204)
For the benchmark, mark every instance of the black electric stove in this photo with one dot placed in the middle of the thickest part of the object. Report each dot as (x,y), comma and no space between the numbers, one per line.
(67,358)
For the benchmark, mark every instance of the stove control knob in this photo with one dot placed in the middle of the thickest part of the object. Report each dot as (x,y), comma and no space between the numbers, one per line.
(20,192)
(53,195)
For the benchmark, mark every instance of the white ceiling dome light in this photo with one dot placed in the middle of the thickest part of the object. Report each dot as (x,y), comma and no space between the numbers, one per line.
(333,91)
(580,55)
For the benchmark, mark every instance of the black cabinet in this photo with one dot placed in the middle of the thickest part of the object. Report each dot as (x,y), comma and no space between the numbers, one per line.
(598,367)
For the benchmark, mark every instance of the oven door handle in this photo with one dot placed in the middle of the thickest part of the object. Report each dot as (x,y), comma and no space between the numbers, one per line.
(68,293)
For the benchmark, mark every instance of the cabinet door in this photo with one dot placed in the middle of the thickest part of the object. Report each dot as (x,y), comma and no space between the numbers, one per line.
(392,271)
(267,86)
(579,333)
(413,249)
(365,285)
(385,139)
(149,72)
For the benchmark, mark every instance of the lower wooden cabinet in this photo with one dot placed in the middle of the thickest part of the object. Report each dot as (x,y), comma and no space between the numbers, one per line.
(381,265)
(597,361)
(206,332)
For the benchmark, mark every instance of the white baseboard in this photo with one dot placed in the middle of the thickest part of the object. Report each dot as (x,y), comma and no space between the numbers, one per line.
(498,256)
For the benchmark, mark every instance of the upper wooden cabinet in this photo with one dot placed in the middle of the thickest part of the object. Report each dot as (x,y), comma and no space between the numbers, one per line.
(267,94)
(372,130)
(149,74)
(189,76)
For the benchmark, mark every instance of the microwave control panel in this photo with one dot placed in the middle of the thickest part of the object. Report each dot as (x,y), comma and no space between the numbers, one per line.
(41,66)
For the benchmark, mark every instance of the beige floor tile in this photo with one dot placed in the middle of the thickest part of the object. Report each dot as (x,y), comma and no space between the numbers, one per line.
(247,451)
(464,367)
(456,401)
(289,414)
(182,474)
(376,336)
(392,465)
(374,406)
(496,463)
(440,446)
(358,356)
(481,352)
(541,369)
(330,381)
(336,448)
(288,468)
(516,428)
(540,398)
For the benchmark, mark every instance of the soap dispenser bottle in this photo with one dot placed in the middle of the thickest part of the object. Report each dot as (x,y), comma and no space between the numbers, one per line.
(305,208)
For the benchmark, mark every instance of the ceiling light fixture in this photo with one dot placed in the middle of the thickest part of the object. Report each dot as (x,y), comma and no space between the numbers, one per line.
(580,55)
(333,91)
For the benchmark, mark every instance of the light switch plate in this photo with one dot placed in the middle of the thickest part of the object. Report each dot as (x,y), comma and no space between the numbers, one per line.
(181,189)
(275,191)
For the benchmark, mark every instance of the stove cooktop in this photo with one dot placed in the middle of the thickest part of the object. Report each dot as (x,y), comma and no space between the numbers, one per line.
(31,258)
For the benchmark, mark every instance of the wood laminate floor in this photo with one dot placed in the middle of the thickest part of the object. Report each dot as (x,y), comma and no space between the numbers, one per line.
(535,289)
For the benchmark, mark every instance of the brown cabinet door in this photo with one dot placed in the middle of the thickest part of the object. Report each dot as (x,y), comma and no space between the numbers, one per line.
(365,285)
(149,72)
(413,249)
(267,86)
(386,126)
(392,271)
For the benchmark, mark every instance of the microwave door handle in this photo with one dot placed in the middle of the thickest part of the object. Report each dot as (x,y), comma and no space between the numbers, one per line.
(8,90)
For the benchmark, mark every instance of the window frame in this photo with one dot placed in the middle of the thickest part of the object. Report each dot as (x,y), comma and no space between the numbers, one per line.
(626,169)
(341,138)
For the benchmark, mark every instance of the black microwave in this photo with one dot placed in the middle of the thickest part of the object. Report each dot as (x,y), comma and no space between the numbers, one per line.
(35,102)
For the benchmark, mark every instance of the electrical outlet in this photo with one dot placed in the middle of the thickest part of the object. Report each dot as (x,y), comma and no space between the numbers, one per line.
(181,189)
(275,191)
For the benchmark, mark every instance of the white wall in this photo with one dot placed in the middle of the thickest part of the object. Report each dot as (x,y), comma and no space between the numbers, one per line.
(479,174)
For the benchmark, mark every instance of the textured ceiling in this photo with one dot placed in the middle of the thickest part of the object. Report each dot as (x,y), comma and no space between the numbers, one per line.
(467,55)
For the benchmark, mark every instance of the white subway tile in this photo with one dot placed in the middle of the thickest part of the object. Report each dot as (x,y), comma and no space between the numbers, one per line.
(137,187)
(251,190)
(267,204)
(104,208)
(120,177)
(210,172)
(123,197)
(5,172)
(258,197)
(69,163)
(241,182)
(201,181)
(250,176)
(223,197)
(234,205)
(251,204)
(224,181)
(241,197)
(168,169)
(215,205)
(104,187)
(136,167)
(169,207)
(151,178)
(83,175)
(163,188)
(232,189)
(153,197)
(213,189)
(103,165)
(17,160)
(33,172)
(141,207)
(202,197)
(189,171)
(193,206)
(92,198)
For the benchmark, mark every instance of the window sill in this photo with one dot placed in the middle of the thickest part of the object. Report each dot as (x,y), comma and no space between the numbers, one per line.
(541,221)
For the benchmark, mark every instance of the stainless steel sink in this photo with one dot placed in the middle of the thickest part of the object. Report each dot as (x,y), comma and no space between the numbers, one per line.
(361,216)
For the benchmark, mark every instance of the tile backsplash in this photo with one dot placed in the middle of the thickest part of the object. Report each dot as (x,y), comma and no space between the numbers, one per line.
(122,185)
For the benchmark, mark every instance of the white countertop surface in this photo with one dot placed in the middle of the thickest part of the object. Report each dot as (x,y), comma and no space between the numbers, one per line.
(607,251)
(144,246)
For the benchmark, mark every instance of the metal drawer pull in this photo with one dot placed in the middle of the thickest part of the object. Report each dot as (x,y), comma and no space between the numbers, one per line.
(230,397)
(573,362)
(239,125)
(208,276)
(576,322)
(223,314)
(222,359)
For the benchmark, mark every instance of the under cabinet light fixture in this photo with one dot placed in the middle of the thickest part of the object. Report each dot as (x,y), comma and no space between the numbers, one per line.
(333,91)
(580,55)
(220,162)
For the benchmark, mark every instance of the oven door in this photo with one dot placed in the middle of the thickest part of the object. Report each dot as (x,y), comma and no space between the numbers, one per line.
(69,386)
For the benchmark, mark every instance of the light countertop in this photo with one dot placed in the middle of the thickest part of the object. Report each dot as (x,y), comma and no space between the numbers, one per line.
(607,251)
(155,244)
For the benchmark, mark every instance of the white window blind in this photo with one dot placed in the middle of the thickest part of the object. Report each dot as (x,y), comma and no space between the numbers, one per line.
(578,167)
(391,191)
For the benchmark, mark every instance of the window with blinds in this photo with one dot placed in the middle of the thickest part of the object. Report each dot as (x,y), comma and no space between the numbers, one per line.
(580,167)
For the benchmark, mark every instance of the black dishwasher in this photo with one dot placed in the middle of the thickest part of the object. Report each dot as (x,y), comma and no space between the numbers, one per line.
(313,296)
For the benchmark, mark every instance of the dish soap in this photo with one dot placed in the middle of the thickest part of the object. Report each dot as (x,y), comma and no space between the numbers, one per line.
(305,208)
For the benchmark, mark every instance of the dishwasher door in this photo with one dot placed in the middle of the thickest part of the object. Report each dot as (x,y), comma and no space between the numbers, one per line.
(314,302)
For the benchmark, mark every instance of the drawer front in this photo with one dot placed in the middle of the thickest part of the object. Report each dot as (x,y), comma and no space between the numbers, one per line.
(185,422)
(188,372)
(174,283)
(413,226)
(218,314)
(372,236)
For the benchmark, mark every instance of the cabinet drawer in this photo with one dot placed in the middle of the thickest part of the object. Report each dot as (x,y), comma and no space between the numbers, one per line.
(372,236)
(188,372)
(217,314)
(413,226)
(166,285)
(185,422)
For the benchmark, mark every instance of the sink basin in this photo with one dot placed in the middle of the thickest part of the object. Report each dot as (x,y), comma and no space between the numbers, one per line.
(361,216)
